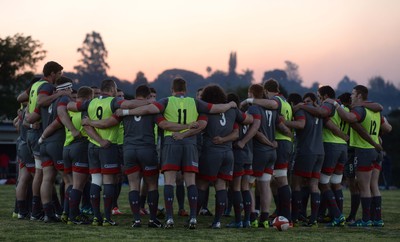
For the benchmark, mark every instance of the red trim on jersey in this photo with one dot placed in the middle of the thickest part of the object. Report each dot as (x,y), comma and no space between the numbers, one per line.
(327,109)
(281,166)
(235,126)
(62,104)
(36,110)
(78,105)
(120,102)
(116,117)
(68,170)
(47,163)
(207,178)
(209,106)
(303,174)
(377,166)
(59,167)
(203,117)
(316,175)
(299,118)
(248,172)
(365,168)
(160,119)
(238,174)
(58,119)
(94,171)
(269,171)
(31,170)
(131,170)
(244,116)
(339,167)
(110,170)
(257,116)
(225,177)
(257,173)
(83,170)
(159,106)
(44,92)
(328,170)
(358,117)
(171,167)
(190,169)
(148,173)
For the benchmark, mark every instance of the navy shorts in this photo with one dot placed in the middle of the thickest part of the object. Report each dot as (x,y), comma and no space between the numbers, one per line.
(51,154)
(75,157)
(143,160)
(335,158)
(215,164)
(263,162)
(180,157)
(103,160)
(308,166)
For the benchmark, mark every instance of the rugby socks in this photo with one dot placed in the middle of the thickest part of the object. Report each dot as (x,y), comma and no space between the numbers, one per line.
(339,199)
(305,191)
(153,203)
(200,199)
(62,194)
(192,198)
(86,196)
(204,204)
(237,205)
(377,201)
(257,200)
(21,207)
(263,217)
(56,202)
(355,203)
(330,200)
(366,206)
(48,209)
(36,206)
(246,204)
(95,199)
(66,199)
(74,199)
(220,203)
(315,202)
(277,202)
(296,205)
(108,196)
(284,198)
(117,191)
(142,200)
(134,203)
(169,200)
(180,196)
(229,202)
(16,206)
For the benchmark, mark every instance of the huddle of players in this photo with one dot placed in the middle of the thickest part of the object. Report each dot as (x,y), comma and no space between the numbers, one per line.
(80,138)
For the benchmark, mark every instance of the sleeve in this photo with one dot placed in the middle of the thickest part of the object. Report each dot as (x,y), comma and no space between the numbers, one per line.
(253,110)
(161,104)
(329,107)
(46,89)
(116,103)
(359,112)
(240,116)
(83,106)
(64,100)
(203,107)
(300,115)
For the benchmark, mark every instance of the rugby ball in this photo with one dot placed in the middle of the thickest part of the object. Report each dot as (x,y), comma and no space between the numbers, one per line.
(280,223)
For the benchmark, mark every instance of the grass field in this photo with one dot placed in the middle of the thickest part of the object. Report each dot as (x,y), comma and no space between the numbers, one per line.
(16,230)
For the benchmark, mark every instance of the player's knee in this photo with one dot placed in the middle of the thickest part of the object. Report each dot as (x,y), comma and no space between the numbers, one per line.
(336,179)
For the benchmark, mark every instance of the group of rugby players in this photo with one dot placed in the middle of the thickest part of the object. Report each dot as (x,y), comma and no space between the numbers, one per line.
(214,139)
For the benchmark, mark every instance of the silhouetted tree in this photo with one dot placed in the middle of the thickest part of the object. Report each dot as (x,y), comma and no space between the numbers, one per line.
(92,65)
(19,55)
(232,63)
(292,71)
(345,85)
(140,80)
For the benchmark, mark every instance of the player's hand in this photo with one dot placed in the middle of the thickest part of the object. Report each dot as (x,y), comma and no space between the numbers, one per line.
(177,136)
(297,107)
(105,143)
(378,147)
(85,121)
(239,144)
(194,125)
(36,125)
(76,134)
(119,112)
(274,144)
(243,104)
(217,140)
(233,104)
(64,93)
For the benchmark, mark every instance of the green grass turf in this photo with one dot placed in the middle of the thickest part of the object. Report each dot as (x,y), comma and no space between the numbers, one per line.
(24,230)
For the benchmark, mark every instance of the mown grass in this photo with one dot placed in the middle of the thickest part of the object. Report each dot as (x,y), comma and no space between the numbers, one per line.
(16,230)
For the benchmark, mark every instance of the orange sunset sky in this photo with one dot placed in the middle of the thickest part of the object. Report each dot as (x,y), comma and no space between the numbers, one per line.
(327,39)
